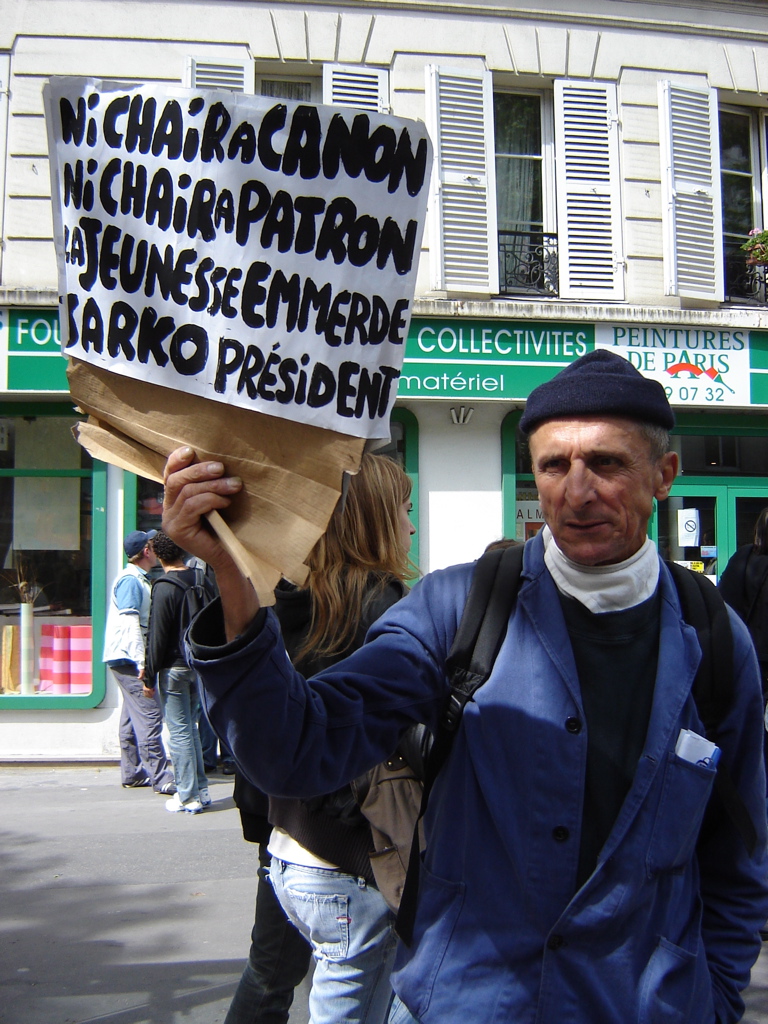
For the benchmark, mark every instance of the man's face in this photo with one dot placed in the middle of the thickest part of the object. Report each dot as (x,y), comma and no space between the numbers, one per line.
(150,557)
(597,482)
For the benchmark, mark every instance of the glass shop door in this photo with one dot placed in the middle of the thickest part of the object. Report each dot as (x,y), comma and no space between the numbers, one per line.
(702,523)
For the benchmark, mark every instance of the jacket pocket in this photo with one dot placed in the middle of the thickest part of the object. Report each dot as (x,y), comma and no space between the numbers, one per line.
(668,986)
(439,906)
(686,789)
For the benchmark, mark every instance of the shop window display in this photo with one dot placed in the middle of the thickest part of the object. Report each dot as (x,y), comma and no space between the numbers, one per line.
(45,558)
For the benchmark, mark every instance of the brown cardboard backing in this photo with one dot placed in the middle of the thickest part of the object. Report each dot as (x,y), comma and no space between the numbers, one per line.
(292,472)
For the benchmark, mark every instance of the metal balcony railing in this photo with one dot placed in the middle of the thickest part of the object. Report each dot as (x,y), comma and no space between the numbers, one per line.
(528,263)
(744,282)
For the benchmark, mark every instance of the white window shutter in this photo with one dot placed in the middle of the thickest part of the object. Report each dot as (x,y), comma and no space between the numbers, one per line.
(590,246)
(235,75)
(464,243)
(691,198)
(350,85)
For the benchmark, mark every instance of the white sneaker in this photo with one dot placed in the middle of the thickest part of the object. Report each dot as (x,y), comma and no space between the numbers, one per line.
(191,806)
(205,797)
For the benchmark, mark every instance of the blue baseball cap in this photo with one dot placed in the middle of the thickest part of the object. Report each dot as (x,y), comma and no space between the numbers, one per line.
(137,541)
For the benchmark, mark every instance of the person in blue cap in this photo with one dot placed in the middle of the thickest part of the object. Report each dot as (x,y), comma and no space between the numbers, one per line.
(143,761)
(576,869)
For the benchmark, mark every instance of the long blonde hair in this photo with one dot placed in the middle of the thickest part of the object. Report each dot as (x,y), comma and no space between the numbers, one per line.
(363,539)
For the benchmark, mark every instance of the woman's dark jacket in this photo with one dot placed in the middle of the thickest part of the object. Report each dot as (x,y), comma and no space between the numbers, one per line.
(744,586)
(330,827)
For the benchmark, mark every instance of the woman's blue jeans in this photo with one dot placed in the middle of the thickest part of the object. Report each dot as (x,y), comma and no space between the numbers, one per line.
(179,697)
(351,931)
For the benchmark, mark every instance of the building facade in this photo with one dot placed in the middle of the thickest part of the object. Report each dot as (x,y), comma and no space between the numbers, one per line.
(597,168)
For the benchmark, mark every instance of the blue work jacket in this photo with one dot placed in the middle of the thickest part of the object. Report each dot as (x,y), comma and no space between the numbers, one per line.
(665,930)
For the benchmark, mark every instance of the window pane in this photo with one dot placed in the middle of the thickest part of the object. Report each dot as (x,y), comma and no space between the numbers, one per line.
(45,592)
(301,92)
(41,442)
(726,455)
(518,124)
(518,189)
(701,551)
(747,512)
(149,514)
(528,517)
(736,175)
(735,141)
(395,447)
(737,204)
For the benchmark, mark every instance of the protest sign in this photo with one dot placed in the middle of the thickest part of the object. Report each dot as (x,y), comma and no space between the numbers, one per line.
(251,254)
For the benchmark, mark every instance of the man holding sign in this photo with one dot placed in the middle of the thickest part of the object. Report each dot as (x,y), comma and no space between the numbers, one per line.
(576,869)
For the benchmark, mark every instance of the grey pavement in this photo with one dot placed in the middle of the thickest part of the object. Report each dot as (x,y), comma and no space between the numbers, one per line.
(113,911)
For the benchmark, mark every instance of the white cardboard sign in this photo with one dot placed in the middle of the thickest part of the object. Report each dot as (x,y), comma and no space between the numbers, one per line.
(253,251)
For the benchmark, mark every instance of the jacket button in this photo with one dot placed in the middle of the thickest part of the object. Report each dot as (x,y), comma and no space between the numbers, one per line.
(560,833)
(555,941)
(573,725)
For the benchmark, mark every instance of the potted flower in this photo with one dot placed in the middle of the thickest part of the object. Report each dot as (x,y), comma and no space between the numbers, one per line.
(756,246)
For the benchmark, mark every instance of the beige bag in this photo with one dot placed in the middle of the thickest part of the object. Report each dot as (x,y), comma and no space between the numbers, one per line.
(391,805)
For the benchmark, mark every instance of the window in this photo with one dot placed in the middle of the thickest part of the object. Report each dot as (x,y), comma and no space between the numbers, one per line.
(496,189)
(722,455)
(51,518)
(740,186)
(522,140)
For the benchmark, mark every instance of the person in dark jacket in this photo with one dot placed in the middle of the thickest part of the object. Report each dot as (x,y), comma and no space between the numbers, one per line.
(176,682)
(321,848)
(744,586)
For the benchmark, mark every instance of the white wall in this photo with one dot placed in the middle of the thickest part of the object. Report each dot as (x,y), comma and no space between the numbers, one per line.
(459,481)
(86,734)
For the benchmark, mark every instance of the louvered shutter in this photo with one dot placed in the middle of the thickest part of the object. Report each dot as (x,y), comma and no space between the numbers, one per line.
(349,85)
(5,92)
(236,75)
(690,181)
(588,197)
(464,246)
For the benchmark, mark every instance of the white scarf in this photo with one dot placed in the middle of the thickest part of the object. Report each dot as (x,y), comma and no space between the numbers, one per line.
(604,588)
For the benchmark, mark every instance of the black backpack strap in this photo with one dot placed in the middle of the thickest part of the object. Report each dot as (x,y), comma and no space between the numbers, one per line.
(704,608)
(495,583)
(483,625)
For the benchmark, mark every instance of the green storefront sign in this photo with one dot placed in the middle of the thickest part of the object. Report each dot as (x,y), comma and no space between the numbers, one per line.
(474,359)
(503,359)
(34,359)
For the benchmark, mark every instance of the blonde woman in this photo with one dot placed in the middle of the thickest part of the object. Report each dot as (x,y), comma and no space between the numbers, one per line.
(320,866)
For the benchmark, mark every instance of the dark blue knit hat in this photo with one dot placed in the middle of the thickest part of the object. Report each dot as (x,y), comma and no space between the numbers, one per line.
(600,383)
